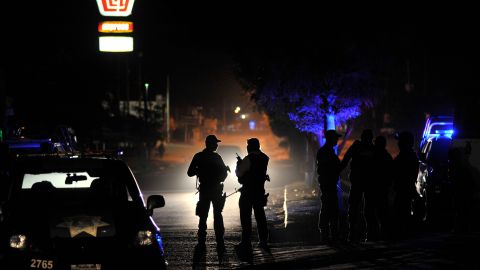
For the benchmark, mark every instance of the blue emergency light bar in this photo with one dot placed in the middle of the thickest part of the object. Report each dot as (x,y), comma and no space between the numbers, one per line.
(27,144)
(445,132)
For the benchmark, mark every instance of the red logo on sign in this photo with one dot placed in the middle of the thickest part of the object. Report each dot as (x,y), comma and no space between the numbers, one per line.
(118,8)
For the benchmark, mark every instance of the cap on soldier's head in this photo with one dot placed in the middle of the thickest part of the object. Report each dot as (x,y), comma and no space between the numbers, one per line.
(367,135)
(211,139)
(254,143)
(332,134)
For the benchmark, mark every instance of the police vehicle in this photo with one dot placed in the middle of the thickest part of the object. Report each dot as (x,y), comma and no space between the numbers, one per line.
(434,188)
(35,140)
(78,212)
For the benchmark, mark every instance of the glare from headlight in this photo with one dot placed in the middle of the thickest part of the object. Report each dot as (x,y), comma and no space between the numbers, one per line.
(144,238)
(18,241)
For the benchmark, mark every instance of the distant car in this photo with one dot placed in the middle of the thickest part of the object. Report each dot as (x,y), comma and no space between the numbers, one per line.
(78,213)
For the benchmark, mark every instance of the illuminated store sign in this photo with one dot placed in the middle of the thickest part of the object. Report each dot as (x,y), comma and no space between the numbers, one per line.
(115,44)
(115,27)
(115,8)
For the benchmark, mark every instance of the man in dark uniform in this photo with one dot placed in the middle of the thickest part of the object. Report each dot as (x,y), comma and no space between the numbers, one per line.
(328,169)
(252,174)
(361,154)
(405,171)
(211,171)
(379,191)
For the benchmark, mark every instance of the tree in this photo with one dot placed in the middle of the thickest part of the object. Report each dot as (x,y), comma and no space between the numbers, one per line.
(313,89)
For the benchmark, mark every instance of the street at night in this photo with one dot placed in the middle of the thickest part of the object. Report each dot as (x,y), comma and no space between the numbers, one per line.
(144,134)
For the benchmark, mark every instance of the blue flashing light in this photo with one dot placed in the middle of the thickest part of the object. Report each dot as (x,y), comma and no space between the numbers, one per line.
(445,132)
(251,125)
(25,146)
(160,242)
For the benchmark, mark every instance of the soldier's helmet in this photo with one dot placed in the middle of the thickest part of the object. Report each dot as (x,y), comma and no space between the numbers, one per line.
(332,134)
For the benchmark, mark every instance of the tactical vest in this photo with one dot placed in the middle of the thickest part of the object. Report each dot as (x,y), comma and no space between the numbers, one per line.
(211,169)
(254,178)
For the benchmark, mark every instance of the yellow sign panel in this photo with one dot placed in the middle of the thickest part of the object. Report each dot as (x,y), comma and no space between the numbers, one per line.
(115,27)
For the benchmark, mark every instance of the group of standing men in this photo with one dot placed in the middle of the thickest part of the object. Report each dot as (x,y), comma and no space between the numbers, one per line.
(373,173)
(211,172)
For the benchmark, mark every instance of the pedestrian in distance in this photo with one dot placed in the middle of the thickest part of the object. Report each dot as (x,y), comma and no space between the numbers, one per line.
(252,174)
(405,171)
(211,172)
(161,149)
(328,169)
(360,154)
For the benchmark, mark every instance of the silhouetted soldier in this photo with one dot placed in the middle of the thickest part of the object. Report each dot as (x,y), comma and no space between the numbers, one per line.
(328,169)
(361,155)
(252,174)
(405,172)
(211,171)
(378,191)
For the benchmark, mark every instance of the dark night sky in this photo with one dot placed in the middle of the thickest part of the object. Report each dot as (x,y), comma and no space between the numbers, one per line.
(51,60)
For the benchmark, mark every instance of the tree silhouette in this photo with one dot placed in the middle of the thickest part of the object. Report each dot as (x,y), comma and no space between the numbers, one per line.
(312,90)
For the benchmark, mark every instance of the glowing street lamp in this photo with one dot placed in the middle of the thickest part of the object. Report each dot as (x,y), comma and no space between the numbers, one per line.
(237,109)
(145,104)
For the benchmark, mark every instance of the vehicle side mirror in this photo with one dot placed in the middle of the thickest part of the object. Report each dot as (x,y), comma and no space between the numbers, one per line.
(154,201)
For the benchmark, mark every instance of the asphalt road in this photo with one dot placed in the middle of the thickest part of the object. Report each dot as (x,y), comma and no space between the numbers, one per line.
(292,214)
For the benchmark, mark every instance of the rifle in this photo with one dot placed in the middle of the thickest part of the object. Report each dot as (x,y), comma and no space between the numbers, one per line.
(236,190)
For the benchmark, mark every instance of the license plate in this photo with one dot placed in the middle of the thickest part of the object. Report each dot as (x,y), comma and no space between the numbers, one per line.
(36,263)
(86,267)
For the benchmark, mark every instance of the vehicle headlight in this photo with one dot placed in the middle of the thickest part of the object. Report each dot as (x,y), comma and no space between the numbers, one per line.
(18,241)
(144,238)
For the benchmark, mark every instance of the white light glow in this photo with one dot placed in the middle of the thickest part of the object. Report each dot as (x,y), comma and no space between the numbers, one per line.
(56,179)
(144,238)
(18,241)
(115,44)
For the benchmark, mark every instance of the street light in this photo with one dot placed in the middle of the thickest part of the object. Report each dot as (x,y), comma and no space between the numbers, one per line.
(237,109)
(146,102)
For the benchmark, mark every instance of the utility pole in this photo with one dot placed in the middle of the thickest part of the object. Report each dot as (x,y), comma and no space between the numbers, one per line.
(224,128)
(167,109)
(140,87)
(127,96)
